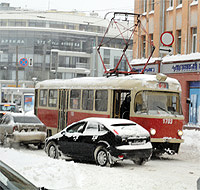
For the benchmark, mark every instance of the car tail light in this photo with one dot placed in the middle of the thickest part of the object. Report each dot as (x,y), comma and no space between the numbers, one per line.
(15,128)
(116,132)
(121,157)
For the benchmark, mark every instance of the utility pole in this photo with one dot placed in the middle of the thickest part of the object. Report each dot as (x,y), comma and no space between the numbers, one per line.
(16,66)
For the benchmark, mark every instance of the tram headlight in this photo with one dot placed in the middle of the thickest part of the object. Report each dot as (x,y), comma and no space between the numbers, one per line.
(180,133)
(152,131)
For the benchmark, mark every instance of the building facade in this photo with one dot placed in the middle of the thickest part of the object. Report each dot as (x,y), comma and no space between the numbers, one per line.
(182,19)
(52,44)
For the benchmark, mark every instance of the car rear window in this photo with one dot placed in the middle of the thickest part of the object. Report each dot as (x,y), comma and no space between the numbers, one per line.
(7,107)
(19,119)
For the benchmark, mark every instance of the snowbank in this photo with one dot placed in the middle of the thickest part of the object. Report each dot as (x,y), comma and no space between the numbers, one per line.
(43,171)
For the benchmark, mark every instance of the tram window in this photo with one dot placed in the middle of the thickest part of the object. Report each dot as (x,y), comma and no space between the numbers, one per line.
(101,100)
(87,97)
(140,103)
(53,94)
(43,98)
(157,102)
(75,97)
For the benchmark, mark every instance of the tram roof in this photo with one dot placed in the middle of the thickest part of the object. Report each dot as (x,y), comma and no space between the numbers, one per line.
(125,82)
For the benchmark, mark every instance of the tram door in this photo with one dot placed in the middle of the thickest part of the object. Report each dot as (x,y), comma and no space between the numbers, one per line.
(63,109)
(118,99)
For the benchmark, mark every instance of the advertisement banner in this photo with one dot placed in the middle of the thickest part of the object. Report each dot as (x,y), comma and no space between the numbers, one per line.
(28,102)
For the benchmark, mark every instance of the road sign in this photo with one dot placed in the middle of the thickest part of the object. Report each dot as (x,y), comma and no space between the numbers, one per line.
(166,50)
(23,62)
(167,38)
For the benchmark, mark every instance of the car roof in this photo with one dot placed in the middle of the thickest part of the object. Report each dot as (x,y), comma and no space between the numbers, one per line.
(19,114)
(108,121)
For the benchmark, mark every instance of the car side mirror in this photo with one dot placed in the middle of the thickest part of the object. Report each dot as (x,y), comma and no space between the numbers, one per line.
(63,132)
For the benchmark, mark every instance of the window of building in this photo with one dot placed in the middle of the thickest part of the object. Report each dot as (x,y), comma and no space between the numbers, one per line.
(106,56)
(75,97)
(143,45)
(151,39)
(144,6)
(194,40)
(87,98)
(53,94)
(152,5)
(180,2)
(3,23)
(101,100)
(171,3)
(43,98)
(179,41)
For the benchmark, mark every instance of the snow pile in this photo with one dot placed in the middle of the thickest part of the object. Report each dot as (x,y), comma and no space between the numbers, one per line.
(42,170)
(170,172)
(191,145)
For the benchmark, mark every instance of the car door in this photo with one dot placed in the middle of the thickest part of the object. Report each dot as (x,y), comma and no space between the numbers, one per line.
(69,143)
(92,134)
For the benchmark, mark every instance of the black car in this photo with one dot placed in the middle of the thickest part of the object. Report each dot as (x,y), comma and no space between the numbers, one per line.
(103,140)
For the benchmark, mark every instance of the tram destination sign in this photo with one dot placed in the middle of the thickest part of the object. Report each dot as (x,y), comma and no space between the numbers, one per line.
(188,67)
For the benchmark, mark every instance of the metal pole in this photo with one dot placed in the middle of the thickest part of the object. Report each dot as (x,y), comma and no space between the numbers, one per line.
(16,66)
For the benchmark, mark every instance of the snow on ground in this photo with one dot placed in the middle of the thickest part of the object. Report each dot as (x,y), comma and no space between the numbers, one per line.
(176,172)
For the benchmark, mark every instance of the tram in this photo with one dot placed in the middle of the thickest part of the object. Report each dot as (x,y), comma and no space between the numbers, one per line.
(153,101)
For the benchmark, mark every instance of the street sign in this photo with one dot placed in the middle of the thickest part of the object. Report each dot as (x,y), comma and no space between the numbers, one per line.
(167,38)
(23,62)
(166,50)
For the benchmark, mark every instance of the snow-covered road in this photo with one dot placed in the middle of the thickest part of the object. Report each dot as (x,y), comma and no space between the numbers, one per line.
(178,172)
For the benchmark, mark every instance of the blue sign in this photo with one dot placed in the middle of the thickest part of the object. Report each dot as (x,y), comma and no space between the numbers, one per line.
(23,62)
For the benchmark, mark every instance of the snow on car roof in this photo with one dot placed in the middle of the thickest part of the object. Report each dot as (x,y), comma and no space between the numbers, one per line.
(19,114)
(108,121)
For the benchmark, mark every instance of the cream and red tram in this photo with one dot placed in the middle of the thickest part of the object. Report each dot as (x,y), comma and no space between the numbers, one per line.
(154,103)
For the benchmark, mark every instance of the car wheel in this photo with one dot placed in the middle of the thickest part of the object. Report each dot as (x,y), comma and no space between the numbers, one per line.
(101,156)
(140,161)
(52,150)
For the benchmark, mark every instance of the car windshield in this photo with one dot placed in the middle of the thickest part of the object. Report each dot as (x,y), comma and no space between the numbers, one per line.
(7,107)
(9,179)
(26,119)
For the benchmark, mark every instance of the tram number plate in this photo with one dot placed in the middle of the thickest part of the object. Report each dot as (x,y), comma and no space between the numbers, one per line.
(168,121)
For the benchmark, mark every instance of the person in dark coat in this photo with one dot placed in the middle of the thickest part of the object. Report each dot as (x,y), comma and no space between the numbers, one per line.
(125,107)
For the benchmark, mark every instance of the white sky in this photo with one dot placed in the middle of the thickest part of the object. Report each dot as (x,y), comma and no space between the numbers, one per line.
(100,6)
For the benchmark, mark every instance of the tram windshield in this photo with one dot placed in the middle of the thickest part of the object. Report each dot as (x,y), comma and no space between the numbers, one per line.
(156,103)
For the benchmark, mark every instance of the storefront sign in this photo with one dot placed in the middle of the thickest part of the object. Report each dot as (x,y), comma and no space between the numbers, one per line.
(181,67)
(150,69)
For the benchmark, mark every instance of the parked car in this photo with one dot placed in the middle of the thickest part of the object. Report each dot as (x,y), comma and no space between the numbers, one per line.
(19,128)
(8,107)
(103,140)
(10,179)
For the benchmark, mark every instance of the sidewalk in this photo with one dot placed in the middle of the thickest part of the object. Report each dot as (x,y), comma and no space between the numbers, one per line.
(190,126)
